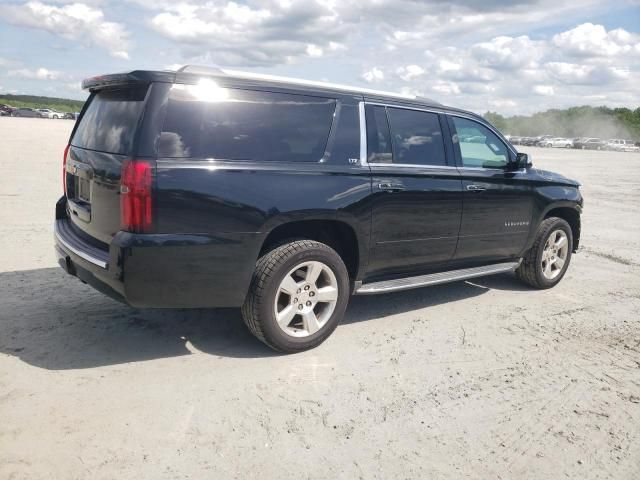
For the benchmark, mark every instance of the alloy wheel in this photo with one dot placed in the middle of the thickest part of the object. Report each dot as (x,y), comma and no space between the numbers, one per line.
(554,255)
(306,299)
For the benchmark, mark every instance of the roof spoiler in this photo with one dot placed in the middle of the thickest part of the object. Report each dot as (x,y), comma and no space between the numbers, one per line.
(119,79)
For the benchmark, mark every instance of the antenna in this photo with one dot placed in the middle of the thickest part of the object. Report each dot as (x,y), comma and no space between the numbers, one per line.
(201,70)
(427,100)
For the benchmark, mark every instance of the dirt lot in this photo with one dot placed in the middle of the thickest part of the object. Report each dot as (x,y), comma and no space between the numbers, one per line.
(482,379)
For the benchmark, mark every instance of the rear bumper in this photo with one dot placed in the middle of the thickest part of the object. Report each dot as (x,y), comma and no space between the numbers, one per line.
(162,270)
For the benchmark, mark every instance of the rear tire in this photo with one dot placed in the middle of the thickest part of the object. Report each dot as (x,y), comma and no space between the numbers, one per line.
(287,308)
(546,262)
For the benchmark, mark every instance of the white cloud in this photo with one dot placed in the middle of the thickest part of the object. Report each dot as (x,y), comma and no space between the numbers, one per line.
(398,45)
(409,72)
(446,88)
(314,50)
(38,74)
(544,90)
(584,74)
(76,21)
(6,63)
(589,40)
(373,75)
(263,33)
(502,103)
(508,53)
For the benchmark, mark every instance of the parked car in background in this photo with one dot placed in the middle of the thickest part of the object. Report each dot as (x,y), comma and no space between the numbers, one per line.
(48,113)
(70,116)
(529,141)
(590,144)
(620,145)
(6,110)
(542,138)
(515,140)
(557,142)
(26,112)
(631,146)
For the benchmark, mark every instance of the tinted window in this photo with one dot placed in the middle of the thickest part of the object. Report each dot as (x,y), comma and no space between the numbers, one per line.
(479,146)
(378,135)
(416,137)
(110,121)
(213,122)
(346,142)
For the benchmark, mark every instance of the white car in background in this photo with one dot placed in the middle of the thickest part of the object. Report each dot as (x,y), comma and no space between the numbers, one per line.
(48,113)
(620,145)
(557,142)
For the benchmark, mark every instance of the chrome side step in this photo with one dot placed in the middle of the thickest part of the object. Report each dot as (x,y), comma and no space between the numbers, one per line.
(434,278)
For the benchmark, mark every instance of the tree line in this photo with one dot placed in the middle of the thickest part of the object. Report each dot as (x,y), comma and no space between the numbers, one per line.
(35,101)
(585,121)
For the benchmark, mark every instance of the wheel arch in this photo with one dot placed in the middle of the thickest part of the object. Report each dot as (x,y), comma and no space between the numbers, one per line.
(571,214)
(338,234)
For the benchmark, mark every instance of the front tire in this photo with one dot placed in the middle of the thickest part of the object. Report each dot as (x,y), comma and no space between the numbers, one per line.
(298,295)
(546,262)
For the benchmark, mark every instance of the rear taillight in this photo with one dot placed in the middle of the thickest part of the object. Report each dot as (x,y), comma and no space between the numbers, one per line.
(136,202)
(64,169)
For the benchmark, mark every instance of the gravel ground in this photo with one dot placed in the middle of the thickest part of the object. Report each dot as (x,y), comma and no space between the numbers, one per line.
(481,379)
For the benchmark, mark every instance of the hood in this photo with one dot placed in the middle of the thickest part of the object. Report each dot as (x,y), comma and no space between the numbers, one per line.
(549,176)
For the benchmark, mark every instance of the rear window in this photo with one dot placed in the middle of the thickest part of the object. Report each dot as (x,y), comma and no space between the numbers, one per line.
(207,121)
(110,120)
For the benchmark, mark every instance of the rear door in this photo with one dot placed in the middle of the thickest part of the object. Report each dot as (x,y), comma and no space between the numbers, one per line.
(104,137)
(497,206)
(417,191)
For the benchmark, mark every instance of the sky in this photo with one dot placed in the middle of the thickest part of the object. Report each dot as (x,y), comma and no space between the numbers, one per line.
(508,57)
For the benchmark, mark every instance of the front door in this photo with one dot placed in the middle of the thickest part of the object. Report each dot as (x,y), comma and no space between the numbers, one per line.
(497,202)
(417,191)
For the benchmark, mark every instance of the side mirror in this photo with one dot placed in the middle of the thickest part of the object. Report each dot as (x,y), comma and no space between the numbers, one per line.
(523,160)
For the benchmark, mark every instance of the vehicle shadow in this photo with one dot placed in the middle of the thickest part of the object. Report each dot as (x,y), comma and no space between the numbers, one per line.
(52,321)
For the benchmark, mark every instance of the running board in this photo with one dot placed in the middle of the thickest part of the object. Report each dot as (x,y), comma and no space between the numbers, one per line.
(434,278)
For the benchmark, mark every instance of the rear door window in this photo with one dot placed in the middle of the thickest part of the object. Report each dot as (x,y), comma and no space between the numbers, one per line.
(233,124)
(110,121)
(416,137)
(405,137)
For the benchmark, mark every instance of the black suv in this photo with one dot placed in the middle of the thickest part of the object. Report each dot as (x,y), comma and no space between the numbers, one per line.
(200,188)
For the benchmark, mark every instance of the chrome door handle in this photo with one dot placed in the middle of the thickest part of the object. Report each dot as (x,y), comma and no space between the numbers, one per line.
(391,187)
(476,188)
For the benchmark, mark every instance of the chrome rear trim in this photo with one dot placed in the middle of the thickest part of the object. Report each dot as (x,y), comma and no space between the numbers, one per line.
(77,247)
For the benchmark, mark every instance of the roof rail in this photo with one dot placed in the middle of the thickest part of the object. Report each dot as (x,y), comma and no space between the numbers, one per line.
(203,70)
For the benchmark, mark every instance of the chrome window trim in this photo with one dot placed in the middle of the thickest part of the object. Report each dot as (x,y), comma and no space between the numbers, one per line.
(363,133)
(521,170)
(363,137)
(412,165)
(405,107)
